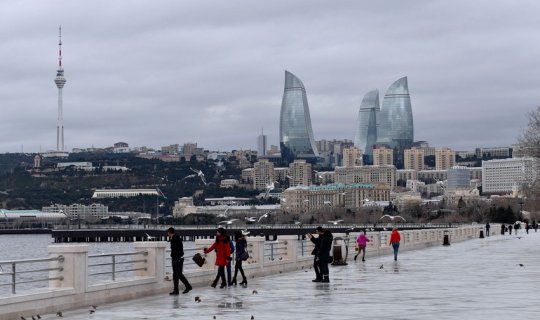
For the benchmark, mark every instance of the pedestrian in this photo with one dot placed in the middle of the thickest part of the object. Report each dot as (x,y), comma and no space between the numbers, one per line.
(510,229)
(315,253)
(535,225)
(241,247)
(487,229)
(516,227)
(229,280)
(325,239)
(527,227)
(503,229)
(395,238)
(223,255)
(361,241)
(177,257)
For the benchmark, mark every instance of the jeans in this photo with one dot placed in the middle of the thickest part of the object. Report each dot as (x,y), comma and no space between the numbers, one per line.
(178,266)
(220,274)
(238,267)
(395,245)
(316,268)
(229,280)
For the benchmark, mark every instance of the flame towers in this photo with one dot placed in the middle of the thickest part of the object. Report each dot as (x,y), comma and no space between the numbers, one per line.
(296,134)
(60,82)
(366,127)
(396,128)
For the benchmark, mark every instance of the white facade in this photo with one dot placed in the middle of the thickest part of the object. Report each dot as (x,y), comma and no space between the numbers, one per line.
(79,211)
(117,193)
(507,175)
(458,178)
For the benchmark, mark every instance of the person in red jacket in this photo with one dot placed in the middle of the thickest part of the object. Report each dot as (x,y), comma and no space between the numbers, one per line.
(223,255)
(395,238)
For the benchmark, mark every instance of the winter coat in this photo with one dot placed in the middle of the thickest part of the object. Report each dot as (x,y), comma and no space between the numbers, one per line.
(241,247)
(177,247)
(362,240)
(326,240)
(395,237)
(223,250)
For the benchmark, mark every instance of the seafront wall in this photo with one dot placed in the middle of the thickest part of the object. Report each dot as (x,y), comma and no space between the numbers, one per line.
(146,270)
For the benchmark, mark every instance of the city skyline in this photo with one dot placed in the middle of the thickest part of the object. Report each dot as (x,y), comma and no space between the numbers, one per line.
(165,76)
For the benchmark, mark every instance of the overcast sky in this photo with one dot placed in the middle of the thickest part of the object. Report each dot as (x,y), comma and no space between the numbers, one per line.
(161,72)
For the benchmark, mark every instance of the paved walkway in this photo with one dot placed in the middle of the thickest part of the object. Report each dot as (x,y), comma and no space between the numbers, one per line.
(476,279)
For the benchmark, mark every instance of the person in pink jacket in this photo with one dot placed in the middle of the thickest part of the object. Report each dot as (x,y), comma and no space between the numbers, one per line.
(361,241)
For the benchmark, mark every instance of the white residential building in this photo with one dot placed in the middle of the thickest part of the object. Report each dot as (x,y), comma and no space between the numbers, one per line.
(507,175)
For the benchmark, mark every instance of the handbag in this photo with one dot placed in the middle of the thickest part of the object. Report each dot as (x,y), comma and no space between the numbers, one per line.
(244,256)
(198,259)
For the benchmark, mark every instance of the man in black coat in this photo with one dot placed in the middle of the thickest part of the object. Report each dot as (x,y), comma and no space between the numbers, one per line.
(315,254)
(324,241)
(177,255)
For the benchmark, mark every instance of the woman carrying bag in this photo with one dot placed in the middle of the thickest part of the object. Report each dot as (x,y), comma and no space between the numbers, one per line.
(241,255)
(223,255)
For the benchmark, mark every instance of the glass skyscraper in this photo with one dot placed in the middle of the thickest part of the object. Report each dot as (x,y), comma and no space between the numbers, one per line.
(396,120)
(366,124)
(296,134)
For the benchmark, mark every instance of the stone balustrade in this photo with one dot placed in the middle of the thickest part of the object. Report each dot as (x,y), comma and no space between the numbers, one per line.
(71,287)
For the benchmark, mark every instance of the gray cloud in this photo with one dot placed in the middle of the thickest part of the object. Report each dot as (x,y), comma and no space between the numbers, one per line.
(154,73)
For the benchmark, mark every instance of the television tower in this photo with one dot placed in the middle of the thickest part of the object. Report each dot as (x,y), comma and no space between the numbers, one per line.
(60,81)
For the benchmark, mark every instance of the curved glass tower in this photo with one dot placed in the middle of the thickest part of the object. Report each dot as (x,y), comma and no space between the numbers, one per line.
(296,134)
(366,124)
(396,120)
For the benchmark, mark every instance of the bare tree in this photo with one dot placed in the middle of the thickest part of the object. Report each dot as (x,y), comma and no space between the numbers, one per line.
(529,145)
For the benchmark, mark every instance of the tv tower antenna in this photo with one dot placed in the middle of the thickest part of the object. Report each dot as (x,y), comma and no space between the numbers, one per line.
(60,82)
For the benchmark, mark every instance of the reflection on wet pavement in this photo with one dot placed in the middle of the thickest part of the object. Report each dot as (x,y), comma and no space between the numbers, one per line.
(476,279)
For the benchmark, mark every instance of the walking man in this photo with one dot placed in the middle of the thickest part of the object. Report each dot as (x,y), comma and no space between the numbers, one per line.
(325,239)
(177,256)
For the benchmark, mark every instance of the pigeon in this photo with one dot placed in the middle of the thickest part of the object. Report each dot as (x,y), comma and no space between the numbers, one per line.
(197,299)
(381,267)
(521,265)
(38,316)
(252,317)
(214,317)
(59,314)
(255,292)
(23,318)
(91,311)
(33,318)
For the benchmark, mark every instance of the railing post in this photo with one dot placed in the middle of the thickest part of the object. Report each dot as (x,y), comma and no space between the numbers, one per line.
(13,277)
(73,268)
(292,247)
(113,267)
(154,264)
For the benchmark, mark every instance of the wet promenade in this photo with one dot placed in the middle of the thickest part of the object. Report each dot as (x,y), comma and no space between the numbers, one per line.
(475,279)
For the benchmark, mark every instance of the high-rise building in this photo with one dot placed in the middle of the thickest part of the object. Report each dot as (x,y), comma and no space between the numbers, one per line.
(300,173)
(396,128)
(414,159)
(296,134)
(508,175)
(352,157)
(366,124)
(60,82)
(263,174)
(262,146)
(383,157)
(445,159)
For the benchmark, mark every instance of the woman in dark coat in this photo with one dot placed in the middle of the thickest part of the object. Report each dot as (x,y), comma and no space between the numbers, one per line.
(241,247)
(223,255)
